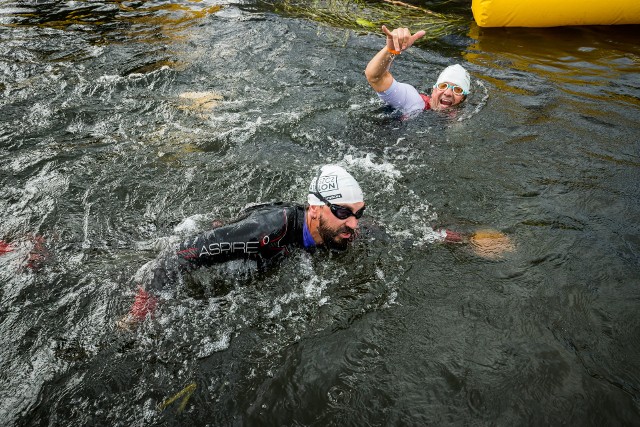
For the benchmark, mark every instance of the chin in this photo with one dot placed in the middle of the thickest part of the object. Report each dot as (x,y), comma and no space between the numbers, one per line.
(340,244)
(442,107)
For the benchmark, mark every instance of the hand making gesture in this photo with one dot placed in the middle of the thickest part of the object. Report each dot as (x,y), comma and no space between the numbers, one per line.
(450,89)
(400,39)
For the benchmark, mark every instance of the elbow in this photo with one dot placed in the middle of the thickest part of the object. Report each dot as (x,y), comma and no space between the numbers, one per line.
(367,76)
(371,77)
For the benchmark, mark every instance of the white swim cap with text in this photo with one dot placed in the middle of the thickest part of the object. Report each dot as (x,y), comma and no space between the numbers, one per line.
(336,185)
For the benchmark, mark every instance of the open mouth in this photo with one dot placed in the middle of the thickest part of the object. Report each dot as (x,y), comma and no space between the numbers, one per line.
(347,234)
(445,102)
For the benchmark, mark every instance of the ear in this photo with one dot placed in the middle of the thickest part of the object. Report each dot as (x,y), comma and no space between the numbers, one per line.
(314,210)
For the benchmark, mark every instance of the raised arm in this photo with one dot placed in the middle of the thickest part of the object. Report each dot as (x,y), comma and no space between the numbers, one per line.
(377,71)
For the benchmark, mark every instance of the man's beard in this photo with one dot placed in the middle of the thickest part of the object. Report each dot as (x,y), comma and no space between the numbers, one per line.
(332,239)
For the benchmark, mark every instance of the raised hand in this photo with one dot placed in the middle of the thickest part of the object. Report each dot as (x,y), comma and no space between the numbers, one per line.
(400,39)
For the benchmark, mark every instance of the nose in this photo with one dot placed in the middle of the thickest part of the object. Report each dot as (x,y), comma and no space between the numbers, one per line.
(352,222)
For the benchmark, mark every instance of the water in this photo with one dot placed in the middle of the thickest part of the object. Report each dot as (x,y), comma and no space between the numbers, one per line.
(126,126)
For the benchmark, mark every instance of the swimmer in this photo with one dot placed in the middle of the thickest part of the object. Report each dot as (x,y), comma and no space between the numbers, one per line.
(266,234)
(451,87)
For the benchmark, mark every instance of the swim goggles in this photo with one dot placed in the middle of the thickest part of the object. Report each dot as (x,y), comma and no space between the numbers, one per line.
(338,211)
(455,88)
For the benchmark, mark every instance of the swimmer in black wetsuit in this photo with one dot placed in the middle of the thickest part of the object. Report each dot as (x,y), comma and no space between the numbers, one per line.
(266,234)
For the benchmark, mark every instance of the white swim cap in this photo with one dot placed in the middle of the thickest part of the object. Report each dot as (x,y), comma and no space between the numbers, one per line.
(455,74)
(336,185)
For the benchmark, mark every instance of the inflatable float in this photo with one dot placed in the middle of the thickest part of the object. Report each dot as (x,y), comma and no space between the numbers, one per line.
(554,13)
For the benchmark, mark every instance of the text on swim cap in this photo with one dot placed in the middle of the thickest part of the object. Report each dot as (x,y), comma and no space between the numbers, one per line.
(327,183)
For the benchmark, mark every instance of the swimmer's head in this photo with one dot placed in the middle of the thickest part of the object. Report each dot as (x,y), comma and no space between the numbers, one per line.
(457,75)
(336,204)
(335,185)
(451,88)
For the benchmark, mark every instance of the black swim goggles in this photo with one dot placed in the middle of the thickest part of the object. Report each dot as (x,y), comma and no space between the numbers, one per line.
(340,212)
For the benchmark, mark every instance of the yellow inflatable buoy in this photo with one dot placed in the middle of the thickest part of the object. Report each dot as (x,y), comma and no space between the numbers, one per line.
(554,13)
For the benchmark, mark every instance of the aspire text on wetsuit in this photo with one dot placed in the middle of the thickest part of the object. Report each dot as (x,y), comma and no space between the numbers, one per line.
(265,233)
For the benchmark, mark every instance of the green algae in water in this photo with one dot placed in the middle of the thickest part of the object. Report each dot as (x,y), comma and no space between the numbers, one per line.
(360,15)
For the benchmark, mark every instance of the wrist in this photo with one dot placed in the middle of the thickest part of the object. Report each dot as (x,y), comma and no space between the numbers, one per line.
(393,51)
(452,236)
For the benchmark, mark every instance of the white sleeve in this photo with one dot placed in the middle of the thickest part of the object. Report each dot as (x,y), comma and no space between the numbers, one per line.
(403,97)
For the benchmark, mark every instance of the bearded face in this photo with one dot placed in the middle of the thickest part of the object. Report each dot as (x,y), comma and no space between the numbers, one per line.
(335,237)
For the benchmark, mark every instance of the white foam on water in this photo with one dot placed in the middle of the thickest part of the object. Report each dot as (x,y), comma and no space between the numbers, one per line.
(292,116)
(478,104)
(111,78)
(14,274)
(314,287)
(244,132)
(86,242)
(189,224)
(275,312)
(76,126)
(39,115)
(391,299)
(10,263)
(208,346)
(40,195)
(185,129)
(157,244)
(101,129)
(367,163)
(94,51)
(424,234)
(145,273)
(12,10)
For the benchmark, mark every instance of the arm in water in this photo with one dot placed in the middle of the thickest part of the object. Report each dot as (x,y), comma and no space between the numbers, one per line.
(266,233)
(487,243)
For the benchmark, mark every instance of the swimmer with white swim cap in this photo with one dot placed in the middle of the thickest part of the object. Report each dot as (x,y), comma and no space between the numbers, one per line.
(450,90)
(265,234)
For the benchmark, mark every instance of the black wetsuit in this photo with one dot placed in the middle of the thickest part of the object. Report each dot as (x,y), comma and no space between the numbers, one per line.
(265,233)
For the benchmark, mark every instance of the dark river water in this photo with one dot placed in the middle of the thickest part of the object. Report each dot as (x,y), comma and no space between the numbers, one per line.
(126,126)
